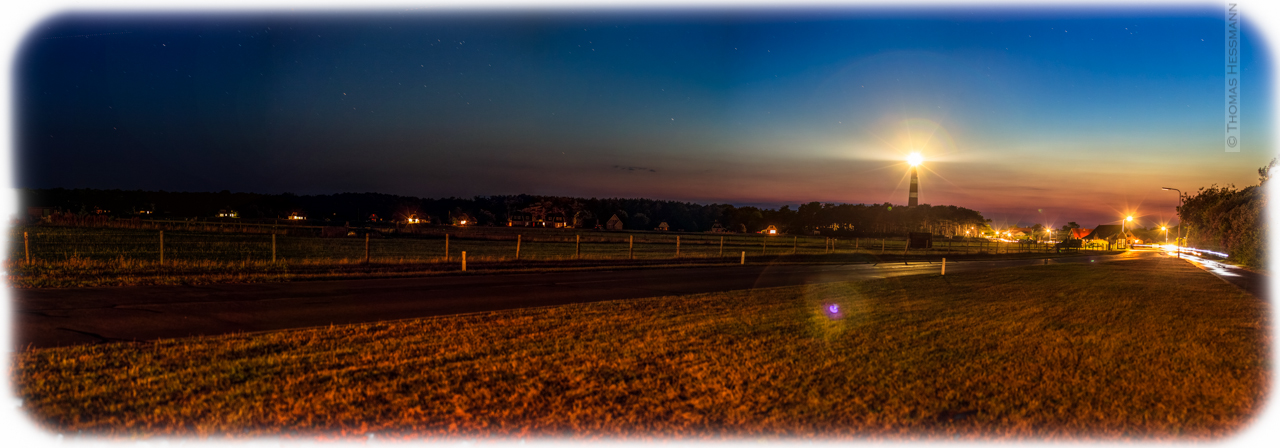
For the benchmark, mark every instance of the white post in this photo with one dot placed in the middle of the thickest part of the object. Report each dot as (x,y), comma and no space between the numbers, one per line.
(464,261)
(744,257)
(944,266)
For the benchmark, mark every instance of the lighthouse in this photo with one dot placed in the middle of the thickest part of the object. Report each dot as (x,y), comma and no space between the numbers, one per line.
(913,198)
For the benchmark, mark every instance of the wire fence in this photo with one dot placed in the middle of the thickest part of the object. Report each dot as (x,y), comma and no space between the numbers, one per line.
(50,244)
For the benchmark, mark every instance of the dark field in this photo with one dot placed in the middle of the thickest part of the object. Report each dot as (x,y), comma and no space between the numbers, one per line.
(1145,349)
(81,257)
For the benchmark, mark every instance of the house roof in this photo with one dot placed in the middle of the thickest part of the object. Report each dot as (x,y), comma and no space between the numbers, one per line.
(614,218)
(1105,231)
(1080,233)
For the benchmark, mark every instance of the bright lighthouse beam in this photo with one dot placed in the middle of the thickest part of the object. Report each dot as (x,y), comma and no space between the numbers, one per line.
(915,159)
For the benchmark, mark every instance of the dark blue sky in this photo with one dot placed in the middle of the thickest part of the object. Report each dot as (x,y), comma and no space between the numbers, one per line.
(1035,115)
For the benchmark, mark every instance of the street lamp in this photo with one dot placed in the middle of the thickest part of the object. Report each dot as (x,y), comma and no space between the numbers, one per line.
(1122,230)
(1166,234)
(1178,240)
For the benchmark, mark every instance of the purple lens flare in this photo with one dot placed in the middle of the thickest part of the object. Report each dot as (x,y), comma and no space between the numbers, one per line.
(832,310)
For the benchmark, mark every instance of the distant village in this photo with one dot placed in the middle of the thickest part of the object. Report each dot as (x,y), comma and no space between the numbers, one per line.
(350,214)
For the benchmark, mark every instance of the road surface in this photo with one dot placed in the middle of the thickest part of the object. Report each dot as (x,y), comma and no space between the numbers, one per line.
(57,317)
(1250,281)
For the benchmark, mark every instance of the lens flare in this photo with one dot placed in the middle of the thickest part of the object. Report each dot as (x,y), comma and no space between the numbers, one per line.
(832,311)
(915,159)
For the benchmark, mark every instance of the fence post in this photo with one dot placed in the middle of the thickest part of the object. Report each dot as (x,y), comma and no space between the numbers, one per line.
(273,248)
(517,247)
(905,246)
(161,247)
(26,246)
(722,246)
(881,246)
(631,247)
(744,257)
(944,266)
(366,248)
(677,246)
(464,261)
(764,244)
(577,247)
(446,247)
(794,241)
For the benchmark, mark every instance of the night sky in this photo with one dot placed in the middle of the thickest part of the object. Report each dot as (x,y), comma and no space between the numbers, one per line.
(1032,116)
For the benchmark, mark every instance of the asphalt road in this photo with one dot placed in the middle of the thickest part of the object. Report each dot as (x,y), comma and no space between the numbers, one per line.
(1251,282)
(57,317)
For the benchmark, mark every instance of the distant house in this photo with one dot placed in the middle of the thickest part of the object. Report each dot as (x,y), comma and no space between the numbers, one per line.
(373,217)
(297,216)
(462,219)
(771,230)
(40,213)
(614,223)
(1111,234)
(555,220)
(520,219)
(663,227)
(717,228)
(1079,234)
(228,213)
(412,219)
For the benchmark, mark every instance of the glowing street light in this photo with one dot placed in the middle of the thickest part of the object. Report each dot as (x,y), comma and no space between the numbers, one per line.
(1122,230)
(1177,240)
(1166,234)
(915,159)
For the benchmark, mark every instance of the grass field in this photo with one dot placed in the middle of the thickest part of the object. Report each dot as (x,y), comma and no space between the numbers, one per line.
(81,257)
(1144,349)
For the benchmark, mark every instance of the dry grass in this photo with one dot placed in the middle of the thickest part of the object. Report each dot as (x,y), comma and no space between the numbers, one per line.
(1151,349)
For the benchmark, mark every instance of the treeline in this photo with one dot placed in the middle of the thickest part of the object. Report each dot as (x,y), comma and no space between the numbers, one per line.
(356,209)
(1229,220)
